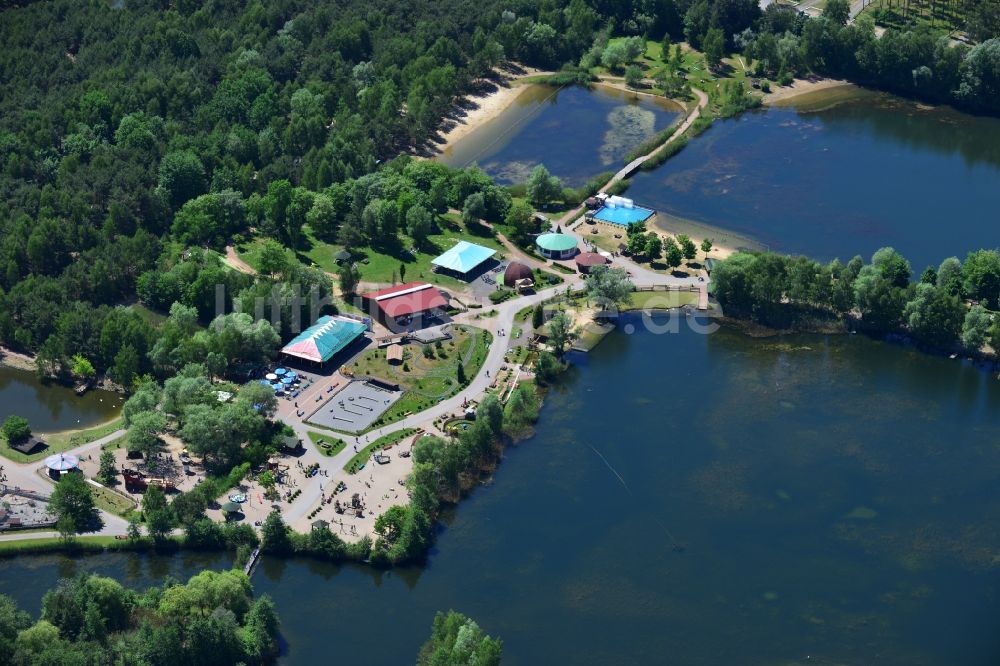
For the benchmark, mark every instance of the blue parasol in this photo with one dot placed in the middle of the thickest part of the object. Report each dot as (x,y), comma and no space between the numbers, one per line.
(280,371)
(291,373)
(287,380)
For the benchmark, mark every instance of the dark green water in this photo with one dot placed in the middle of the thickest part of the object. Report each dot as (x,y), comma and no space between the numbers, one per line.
(869,172)
(830,497)
(576,133)
(51,407)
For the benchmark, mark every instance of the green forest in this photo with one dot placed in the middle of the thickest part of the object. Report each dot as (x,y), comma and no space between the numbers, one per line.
(951,307)
(138,139)
(91,619)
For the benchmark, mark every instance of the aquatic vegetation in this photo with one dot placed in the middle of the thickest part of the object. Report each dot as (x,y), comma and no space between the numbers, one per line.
(627,126)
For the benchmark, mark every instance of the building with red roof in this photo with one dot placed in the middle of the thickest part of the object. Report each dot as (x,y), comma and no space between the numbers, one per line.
(588,260)
(396,305)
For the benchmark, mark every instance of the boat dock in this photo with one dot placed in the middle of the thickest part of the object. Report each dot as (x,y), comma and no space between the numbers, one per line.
(252,562)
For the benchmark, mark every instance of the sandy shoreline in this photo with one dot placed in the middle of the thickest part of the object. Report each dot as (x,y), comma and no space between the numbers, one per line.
(487,107)
(614,84)
(16,360)
(803,87)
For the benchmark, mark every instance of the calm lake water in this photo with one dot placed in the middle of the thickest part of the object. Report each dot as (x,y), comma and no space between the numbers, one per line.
(868,172)
(576,133)
(51,407)
(750,502)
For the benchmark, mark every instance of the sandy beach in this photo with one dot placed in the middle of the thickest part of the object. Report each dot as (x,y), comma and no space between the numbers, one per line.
(13,359)
(802,87)
(486,107)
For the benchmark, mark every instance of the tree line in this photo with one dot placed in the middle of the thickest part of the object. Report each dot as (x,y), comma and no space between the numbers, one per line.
(92,619)
(949,307)
(129,135)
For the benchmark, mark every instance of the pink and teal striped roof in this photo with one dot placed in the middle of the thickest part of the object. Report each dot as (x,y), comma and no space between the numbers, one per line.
(323,339)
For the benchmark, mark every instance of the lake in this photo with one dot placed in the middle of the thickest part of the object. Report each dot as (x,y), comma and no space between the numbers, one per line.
(50,407)
(576,133)
(698,499)
(871,171)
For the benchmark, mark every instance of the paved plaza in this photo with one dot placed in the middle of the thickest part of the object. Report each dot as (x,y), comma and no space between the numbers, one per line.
(355,407)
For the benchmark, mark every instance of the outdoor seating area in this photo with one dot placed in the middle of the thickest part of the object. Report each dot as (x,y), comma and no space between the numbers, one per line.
(286,383)
(490,276)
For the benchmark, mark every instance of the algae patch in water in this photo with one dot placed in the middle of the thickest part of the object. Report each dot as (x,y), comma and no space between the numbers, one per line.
(861,513)
(628,127)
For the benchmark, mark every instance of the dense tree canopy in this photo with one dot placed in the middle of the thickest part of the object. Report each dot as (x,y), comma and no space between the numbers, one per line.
(777,290)
(456,640)
(133,135)
(90,619)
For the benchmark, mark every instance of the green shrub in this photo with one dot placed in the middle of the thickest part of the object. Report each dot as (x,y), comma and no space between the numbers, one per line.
(649,145)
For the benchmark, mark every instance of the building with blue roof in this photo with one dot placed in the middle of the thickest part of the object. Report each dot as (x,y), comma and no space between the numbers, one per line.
(464,257)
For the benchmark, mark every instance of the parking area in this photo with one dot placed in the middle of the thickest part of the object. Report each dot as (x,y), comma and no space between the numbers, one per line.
(355,407)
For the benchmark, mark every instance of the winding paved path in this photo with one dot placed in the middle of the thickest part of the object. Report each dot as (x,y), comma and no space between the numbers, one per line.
(25,475)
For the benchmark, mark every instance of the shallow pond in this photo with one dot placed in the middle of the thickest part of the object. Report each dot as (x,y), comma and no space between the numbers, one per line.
(576,133)
(50,406)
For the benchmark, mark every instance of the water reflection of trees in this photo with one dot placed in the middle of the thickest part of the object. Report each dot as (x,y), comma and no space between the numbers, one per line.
(941,129)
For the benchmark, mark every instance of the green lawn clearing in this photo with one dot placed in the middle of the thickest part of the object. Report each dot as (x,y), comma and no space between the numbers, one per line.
(426,378)
(355,464)
(60,442)
(660,300)
(334,447)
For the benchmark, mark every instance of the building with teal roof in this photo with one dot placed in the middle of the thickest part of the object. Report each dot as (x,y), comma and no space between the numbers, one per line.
(556,246)
(321,341)
(464,257)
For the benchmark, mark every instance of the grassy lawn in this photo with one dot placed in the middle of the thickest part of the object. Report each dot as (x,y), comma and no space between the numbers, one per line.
(940,17)
(426,380)
(112,502)
(336,445)
(383,267)
(590,335)
(61,442)
(355,464)
(52,543)
(524,314)
(660,300)
(76,544)
(519,354)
